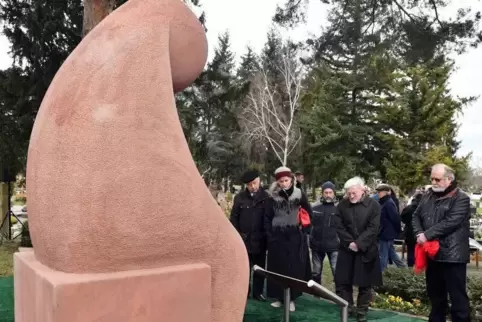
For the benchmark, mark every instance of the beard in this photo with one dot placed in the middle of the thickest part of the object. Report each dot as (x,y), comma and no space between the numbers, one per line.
(438,189)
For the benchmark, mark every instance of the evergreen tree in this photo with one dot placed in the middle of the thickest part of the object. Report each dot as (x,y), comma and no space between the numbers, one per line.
(212,123)
(409,19)
(377,101)
(42,34)
(350,69)
(420,125)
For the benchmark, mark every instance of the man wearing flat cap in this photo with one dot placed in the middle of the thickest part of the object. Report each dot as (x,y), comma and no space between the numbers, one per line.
(247,216)
(390,227)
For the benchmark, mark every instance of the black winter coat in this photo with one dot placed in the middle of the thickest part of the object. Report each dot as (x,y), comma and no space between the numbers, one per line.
(288,252)
(445,218)
(407,216)
(358,223)
(248,217)
(323,235)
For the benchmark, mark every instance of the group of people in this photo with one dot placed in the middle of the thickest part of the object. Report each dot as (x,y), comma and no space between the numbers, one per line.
(356,233)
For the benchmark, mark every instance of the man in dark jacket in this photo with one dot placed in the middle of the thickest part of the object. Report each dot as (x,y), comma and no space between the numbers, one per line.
(300,178)
(358,263)
(390,227)
(443,214)
(323,238)
(247,216)
(410,240)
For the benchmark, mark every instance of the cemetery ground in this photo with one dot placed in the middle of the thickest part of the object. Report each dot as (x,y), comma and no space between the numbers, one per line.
(403,292)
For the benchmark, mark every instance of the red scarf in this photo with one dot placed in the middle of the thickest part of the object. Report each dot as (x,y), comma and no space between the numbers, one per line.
(430,249)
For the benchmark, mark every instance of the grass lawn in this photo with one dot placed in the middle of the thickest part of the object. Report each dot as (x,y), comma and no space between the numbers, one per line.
(6,257)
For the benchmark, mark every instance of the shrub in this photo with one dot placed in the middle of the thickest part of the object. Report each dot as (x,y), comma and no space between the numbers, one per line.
(406,286)
(404,283)
(25,240)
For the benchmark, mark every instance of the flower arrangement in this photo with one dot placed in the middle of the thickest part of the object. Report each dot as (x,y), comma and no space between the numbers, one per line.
(396,303)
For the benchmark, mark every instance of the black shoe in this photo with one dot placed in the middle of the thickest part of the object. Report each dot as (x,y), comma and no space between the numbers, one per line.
(361,315)
(351,312)
(259,298)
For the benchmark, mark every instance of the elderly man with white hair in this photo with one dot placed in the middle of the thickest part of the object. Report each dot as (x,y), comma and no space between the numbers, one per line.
(358,263)
(443,214)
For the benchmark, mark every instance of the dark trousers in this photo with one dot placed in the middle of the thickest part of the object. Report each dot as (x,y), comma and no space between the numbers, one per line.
(443,279)
(363,300)
(258,280)
(317,258)
(410,255)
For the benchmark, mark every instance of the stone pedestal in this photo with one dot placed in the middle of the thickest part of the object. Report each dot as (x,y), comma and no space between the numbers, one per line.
(170,294)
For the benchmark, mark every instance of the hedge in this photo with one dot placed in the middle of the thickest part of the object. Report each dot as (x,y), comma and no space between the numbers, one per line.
(403,290)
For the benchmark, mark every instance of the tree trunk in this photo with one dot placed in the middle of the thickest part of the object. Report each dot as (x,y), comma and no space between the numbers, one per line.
(94,12)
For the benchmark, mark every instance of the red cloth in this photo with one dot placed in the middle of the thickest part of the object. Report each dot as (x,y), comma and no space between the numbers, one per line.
(304,218)
(430,249)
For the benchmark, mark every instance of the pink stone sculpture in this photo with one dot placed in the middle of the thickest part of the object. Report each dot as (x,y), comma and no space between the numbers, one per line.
(112,184)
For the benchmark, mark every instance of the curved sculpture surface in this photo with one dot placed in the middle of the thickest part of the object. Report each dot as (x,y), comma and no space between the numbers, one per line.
(111,181)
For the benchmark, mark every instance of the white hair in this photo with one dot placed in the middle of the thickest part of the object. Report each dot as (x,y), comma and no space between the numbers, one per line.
(448,171)
(355,181)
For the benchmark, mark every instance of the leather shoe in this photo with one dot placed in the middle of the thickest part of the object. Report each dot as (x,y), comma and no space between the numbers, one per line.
(259,298)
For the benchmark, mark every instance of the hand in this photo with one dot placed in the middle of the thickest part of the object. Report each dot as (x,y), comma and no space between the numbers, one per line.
(421,238)
(353,247)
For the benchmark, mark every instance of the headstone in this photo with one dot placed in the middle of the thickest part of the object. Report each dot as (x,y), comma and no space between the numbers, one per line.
(117,208)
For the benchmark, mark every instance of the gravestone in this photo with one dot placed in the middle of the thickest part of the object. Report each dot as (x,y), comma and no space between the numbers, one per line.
(123,227)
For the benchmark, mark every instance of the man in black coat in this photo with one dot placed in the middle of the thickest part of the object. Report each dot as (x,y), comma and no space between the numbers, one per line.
(358,263)
(247,216)
(300,178)
(410,239)
(323,238)
(443,214)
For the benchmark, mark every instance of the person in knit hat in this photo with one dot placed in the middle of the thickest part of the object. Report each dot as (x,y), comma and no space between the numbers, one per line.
(288,252)
(323,237)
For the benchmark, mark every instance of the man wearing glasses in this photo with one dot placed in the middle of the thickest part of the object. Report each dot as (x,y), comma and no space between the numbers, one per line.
(443,214)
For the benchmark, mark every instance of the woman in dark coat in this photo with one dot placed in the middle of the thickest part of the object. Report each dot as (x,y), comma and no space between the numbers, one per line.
(358,222)
(287,242)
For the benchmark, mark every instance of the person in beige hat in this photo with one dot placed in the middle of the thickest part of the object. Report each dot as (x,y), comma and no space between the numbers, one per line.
(287,242)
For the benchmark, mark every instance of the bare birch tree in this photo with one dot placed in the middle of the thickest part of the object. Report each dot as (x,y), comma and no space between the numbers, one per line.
(270,114)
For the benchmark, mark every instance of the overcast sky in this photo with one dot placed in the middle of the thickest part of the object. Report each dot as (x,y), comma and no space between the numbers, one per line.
(249,20)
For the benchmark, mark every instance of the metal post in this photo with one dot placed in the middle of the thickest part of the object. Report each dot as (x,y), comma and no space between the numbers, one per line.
(287,305)
(344,313)
(9,213)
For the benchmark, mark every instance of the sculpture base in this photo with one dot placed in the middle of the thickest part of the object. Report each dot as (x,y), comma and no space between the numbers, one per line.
(171,294)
